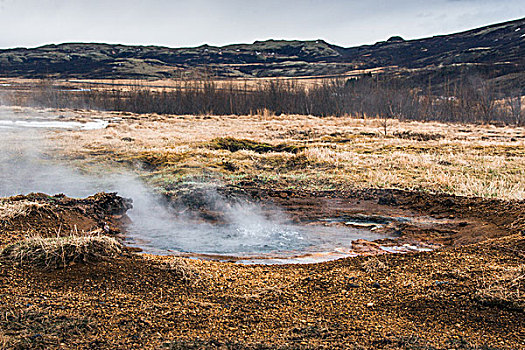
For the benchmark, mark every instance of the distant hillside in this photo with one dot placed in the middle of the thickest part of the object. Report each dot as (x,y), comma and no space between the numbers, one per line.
(497,50)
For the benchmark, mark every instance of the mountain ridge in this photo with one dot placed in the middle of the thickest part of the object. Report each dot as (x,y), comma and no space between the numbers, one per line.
(500,44)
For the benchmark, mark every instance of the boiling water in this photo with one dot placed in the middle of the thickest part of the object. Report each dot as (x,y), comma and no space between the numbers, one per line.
(245,233)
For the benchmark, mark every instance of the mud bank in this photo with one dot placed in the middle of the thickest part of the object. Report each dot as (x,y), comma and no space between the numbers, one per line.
(39,214)
(295,226)
(463,295)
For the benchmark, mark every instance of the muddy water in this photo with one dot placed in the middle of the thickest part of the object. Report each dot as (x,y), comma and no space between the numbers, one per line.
(248,234)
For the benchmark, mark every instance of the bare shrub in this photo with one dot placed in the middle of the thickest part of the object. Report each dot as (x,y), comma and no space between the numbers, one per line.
(471,99)
(59,252)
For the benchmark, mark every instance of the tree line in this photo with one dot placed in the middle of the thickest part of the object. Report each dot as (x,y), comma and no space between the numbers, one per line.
(469,100)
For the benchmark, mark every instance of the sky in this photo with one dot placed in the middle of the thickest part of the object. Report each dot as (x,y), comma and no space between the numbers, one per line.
(184,23)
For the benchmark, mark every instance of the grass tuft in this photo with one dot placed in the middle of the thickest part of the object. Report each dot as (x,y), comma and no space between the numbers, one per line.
(5,341)
(59,252)
(12,210)
(373,264)
(181,269)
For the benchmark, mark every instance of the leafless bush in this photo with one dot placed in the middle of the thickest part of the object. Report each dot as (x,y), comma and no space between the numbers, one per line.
(470,99)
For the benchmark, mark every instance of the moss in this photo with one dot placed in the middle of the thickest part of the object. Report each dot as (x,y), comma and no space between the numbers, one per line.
(233,145)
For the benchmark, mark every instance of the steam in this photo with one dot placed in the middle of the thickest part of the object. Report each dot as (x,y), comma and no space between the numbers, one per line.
(25,164)
(239,228)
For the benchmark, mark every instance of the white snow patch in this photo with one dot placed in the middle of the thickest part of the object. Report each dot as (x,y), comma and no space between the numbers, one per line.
(53,124)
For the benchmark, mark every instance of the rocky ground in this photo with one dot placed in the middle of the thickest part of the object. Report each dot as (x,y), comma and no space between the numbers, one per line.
(468,294)
(62,287)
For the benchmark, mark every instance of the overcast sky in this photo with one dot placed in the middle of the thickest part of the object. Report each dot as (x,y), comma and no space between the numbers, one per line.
(29,23)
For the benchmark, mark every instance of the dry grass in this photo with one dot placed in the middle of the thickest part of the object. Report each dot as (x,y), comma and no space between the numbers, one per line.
(504,287)
(14,209)
(374,264)
(471,160)
(59,252)
(494,176)
(182,269)
(5,341)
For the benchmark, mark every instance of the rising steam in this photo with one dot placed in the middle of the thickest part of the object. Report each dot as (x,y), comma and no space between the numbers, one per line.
(243,229)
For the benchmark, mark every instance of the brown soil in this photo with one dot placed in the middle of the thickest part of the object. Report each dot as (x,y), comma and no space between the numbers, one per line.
(59,215)
(427,300)
(454,220)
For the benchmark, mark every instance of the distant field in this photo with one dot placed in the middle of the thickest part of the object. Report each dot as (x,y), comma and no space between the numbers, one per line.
(328,153)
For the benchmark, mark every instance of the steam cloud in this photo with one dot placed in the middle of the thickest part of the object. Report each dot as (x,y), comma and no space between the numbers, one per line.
(25,168)
(243,230)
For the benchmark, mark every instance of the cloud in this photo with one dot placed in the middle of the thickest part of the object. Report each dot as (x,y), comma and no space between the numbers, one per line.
(189,23)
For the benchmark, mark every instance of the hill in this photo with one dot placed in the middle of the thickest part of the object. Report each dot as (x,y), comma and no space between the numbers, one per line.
(496,50)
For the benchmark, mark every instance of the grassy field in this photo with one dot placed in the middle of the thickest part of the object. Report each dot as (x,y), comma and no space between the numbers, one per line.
(311,153)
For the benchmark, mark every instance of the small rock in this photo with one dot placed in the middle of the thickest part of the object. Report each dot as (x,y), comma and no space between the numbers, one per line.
(369,304)
(388,199)
(376,285)
(441,283)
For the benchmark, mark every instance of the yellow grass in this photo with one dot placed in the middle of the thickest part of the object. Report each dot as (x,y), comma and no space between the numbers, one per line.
(4,341)
(471,160)
(59,252)
(11,210)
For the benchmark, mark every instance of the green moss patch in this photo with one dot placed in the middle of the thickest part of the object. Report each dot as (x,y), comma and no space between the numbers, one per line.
(233,145)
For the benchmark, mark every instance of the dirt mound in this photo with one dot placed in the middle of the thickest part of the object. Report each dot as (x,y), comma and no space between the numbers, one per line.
(38,214)
(59,252)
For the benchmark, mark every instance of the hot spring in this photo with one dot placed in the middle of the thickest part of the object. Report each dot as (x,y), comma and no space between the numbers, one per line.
(230,229)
